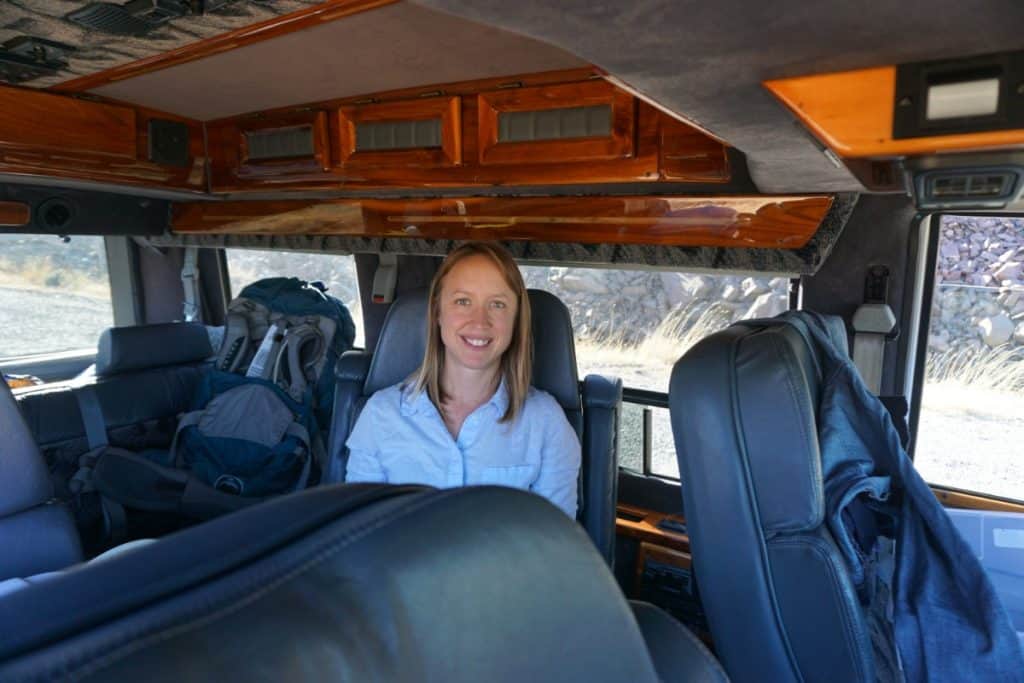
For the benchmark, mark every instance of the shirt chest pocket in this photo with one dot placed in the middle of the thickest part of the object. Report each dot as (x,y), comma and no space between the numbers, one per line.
(514,476)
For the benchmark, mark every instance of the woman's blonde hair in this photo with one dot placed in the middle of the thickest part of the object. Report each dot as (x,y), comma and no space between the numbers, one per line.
(516,363)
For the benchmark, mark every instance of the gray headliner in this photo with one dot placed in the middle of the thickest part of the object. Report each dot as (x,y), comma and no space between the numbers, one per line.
(706,60)
(392,47)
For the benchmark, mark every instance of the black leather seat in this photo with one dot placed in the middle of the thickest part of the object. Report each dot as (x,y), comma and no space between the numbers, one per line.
(37,535)
(779,602)
(593,411)
(351,583)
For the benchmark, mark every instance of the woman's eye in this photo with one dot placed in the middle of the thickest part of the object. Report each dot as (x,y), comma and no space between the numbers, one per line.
(462,301)
(498,304)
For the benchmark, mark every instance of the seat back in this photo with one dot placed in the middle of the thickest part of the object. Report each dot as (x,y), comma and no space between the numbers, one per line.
(779,601)
(37,536)
(352,583)
(592,411)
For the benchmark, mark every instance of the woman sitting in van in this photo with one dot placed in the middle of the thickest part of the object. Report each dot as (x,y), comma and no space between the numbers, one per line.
(468,415)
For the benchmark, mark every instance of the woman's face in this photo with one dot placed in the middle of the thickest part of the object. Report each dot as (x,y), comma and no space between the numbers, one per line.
(478,314)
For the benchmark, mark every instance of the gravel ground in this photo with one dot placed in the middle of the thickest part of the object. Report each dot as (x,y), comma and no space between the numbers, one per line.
(42,321)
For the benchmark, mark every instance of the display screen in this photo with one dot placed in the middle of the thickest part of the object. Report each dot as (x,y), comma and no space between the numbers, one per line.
(959,100)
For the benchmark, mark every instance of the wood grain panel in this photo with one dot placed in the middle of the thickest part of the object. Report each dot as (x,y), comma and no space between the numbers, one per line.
(659,147)
(330,10)
(646,529)
(13,214)
(320,160)
(53,136)
(755,221)
(852,113)
(447,109)
(32,120)
(617,145)
(967,501)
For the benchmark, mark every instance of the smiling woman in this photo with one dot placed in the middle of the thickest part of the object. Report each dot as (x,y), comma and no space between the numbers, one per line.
(468,415)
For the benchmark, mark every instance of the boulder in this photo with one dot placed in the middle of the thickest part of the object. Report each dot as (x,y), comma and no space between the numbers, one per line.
(766,306)
(995,330)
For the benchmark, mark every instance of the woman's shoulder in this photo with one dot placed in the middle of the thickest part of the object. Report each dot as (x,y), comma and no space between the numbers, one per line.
(540,401)
(387,399)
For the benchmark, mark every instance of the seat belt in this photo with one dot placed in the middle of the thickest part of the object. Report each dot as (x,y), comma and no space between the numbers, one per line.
(190,283)
(385,278)
(873,324)
(96,436)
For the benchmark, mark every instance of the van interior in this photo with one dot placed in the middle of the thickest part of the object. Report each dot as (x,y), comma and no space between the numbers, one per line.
(664,173)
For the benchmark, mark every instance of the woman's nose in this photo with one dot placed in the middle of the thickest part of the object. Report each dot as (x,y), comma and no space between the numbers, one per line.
(481,315)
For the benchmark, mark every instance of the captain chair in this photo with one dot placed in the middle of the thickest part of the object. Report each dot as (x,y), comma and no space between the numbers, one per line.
(779,601)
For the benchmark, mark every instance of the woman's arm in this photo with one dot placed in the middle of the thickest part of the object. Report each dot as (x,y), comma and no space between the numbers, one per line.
(560,462)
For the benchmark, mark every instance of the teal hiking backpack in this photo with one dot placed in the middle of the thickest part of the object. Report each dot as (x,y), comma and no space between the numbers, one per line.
(290,333)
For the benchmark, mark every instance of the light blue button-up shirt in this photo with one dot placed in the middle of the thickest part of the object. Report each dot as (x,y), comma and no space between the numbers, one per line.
(401,438)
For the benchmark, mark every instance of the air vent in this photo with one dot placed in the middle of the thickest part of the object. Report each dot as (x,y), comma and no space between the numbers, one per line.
(25,58)
(280,143)
(389,135)
(168,142)
(555,124)
(991,187)
(134,18)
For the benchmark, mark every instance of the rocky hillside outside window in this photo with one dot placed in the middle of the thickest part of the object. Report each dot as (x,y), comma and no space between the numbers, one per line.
(635,324)
(972,412)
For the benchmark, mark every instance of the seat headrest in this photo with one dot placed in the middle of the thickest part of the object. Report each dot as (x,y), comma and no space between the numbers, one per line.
(554,349)
(768,406)
(315,561)
(125,349)
(24,481)
(403,340)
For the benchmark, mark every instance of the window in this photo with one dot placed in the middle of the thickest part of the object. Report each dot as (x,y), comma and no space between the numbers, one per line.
(54,296)
(635,324)
(972,408)
(338,273)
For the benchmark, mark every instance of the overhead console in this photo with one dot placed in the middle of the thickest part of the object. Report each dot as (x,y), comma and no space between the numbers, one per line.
(551,128)
(951,132)
(45,136)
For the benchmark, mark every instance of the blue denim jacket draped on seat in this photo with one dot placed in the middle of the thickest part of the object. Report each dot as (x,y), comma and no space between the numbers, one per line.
(923,589)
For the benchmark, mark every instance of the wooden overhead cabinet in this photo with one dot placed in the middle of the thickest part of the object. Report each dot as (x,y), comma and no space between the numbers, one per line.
(587,121)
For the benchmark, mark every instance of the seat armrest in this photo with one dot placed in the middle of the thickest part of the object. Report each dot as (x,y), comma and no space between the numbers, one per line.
(602,401)
(351,372)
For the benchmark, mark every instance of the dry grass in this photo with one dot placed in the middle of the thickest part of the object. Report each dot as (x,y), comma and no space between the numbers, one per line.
(647,364)
(987,382)
(43,274)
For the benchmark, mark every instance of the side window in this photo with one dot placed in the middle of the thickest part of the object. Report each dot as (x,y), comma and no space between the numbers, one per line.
(54,295)
(635,324)
(972,409)
(337,272)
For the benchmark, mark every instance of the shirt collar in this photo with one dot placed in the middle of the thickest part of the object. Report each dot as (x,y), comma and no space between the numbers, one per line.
(415,403)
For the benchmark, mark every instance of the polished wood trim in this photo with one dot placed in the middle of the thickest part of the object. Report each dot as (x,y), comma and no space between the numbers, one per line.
(852,113)
(688,155)
(647,529)
(967,501)
(786,222)
(447,109)
(330,10)
(33,120)
(43,135)
(650,551)
(14,214)
(319,161)
(657,148)
(458,88)
(617,145)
